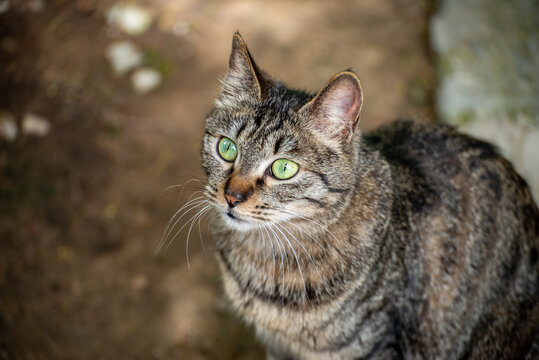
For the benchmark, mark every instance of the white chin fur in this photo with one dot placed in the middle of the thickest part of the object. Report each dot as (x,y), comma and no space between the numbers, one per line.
(238,224)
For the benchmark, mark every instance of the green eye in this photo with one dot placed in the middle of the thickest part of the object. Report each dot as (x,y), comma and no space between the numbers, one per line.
(227,149)
(284,169)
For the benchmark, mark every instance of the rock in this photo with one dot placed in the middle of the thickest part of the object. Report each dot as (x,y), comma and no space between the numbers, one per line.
(145,80)
(489,59)
(8,127)
(35,125)
(124,56)
(158,352)
(36,5)
(132,19)
(110,211)
(180,28)
(4,6)
(64,253)
(489,83)
(139,282)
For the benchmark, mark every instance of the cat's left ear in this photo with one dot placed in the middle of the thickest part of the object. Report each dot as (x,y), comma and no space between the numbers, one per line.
(334,111)
(243,77)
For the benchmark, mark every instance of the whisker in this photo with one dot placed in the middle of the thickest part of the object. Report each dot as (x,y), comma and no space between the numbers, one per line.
(212,216)
(263,243)
(193,205)
(200,234)
(181,185)
(179,210)
(281,250)
(299,243)
(265,248)
(323,227)
(278,244)
(315,267)
(199,215)
(297,259)
(271,243)
(169,228)
(210,194)
(305,231)
(176,234)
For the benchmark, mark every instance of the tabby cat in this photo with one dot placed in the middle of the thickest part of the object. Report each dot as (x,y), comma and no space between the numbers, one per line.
(413,241)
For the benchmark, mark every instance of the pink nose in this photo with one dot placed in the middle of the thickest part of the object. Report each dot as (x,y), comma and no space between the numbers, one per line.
(237,192)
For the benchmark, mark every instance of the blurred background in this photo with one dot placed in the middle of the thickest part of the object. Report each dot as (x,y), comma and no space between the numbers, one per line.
(102,105)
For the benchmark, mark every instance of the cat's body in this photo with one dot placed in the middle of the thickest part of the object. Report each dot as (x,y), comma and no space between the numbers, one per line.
(413,241)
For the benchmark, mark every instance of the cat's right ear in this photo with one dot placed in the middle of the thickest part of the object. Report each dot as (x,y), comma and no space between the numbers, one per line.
(243,78)
(334,112)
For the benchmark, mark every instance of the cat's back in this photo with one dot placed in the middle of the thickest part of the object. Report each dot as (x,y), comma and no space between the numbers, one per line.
(434,163)
(470,233)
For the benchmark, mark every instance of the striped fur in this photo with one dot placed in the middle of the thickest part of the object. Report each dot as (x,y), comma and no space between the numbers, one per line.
(411,242)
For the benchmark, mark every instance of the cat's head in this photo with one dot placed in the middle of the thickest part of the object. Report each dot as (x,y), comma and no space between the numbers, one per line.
(277,155)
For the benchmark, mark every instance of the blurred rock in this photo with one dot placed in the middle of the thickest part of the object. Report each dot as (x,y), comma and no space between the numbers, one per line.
(124,56)
(8,127)
(180,28)
(132,19)
(139,282)
(145,80)
(158,352)
(36,5)
(76,288)
(110,211)
(489,78)
(64,253)
(35,125)
(4,6)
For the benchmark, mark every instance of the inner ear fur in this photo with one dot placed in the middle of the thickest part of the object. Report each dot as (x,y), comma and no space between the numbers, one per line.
(334,111)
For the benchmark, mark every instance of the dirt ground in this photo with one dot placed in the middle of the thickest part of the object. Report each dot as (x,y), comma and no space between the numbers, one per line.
(82,208)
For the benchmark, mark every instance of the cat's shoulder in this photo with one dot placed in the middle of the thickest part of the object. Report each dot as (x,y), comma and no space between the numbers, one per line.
(432,139)
(429,145)
(429,159)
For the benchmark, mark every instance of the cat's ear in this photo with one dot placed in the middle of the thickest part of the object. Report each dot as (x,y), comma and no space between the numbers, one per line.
(243,77)
(334,111)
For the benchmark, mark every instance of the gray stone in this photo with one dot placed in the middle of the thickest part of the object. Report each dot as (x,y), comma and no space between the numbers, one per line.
(8,127)
(35,125)
(131,18)
(124,56)
(489,75)
(145,80)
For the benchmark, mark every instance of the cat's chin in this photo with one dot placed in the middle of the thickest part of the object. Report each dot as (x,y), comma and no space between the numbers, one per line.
(236,223)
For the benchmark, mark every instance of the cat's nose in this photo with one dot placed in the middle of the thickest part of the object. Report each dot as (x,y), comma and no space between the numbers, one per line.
(236,193)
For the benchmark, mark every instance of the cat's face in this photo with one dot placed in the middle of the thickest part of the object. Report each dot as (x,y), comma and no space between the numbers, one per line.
(275,155)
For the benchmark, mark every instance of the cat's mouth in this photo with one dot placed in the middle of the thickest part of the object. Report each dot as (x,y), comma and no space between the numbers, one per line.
(238,221)
(233,216)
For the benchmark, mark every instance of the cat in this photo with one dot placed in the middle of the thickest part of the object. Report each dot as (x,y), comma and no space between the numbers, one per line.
(410,242)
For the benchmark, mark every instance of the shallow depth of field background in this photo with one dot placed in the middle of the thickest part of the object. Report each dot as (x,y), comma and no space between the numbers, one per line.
(87,158)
